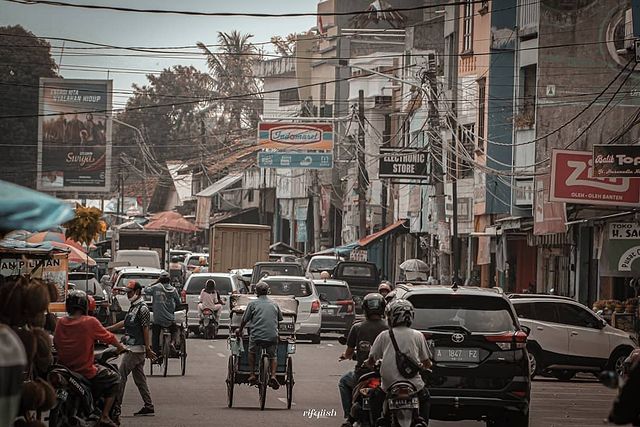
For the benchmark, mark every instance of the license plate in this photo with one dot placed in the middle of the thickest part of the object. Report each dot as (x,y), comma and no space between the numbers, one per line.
(329,311)
(404,403)
(62,395)
(443,354)
(286,327)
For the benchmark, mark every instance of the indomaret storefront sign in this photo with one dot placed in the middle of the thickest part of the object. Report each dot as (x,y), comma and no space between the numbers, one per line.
(402,162)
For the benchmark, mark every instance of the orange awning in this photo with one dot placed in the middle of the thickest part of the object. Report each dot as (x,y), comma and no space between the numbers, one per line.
(371,238)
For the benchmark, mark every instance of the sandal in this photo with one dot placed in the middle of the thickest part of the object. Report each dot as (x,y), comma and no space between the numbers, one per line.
(274,384)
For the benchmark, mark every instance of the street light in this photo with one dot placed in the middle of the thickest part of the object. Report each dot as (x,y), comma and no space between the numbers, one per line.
(144,164)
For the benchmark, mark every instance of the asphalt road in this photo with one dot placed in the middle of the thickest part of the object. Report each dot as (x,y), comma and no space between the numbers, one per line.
(199,398)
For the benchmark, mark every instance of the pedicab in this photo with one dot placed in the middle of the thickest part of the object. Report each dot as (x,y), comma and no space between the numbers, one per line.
(238,367)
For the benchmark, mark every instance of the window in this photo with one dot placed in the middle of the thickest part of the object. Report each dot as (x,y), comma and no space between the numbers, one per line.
(482,95)
(297,288)
(333,293)
(197,283)
(322,264)
(355,271)
(576,316)
(467,35)
(143,279)
(527,111)
(289,97)
(546,312)
(524,311)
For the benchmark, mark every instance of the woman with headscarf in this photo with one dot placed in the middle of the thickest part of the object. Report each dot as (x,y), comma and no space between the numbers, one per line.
(210,298)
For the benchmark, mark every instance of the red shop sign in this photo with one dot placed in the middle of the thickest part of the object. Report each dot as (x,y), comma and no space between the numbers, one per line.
(573,182)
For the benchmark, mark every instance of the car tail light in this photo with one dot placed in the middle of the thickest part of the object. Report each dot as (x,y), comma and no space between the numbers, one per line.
(315,306)
(183,296)
(509,341)
(519,393)
(346,303)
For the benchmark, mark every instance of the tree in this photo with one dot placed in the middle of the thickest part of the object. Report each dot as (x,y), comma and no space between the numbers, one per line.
(172,112)
(25,58)
(232,76)
(285,46)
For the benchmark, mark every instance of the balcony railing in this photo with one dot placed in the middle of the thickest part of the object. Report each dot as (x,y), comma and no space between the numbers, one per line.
(528,16)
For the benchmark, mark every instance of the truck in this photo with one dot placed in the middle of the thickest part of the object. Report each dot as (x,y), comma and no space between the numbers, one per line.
(128,239)
(361,276)
(235,246)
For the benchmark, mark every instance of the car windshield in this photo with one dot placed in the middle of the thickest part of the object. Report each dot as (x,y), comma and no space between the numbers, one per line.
(357,271)
(333,292)
(196,284)
(322,264)
(297,288)
(473,312)
(280,270)
(195,260)
(143,279)
(90,286)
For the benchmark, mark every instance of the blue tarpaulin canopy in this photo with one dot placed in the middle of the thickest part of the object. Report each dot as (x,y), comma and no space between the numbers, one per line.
(25,209)
(343,250)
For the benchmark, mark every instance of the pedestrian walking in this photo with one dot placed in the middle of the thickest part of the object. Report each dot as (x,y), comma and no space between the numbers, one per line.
(137,339)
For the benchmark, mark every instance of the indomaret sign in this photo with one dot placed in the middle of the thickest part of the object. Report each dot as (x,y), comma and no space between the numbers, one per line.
(403,162)
(296,136)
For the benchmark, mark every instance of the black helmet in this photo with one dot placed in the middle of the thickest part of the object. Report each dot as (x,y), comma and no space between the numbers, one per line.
(400,312)
(373,303)
(77,300)
(175,259)
(164,277)
(262,288)
(210,285)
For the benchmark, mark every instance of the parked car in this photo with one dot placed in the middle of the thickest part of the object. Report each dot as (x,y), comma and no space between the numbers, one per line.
(336,303)
(87,282)
(309,320)
(138,258)
(480,363)
(226,284)
(260,269)
(320,263)
(567,337)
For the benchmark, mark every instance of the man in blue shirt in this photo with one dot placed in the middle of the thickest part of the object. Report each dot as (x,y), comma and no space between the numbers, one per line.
(264,316)
(165,301)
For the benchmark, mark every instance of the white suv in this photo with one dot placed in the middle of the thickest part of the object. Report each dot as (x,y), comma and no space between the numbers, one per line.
(566,337)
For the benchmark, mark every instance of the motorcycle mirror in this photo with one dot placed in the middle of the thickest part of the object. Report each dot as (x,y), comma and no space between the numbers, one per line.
(609,379)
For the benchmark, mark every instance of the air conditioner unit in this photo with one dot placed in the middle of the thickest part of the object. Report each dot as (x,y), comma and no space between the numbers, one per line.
(382,101)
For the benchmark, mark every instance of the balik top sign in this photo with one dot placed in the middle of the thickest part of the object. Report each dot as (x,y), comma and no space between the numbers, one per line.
(296,136)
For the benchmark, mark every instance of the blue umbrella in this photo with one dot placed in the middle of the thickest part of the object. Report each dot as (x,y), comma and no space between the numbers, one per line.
(25,209)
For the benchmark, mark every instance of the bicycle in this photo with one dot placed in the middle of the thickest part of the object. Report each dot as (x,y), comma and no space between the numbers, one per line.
(180,349)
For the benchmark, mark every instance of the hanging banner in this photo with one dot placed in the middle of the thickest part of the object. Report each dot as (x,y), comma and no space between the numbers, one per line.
(548,217)
(296,136)
(403,162)
(616,161)
(573,181)
(74,135)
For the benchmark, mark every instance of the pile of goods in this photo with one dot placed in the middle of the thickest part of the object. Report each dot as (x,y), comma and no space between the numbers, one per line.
(23,313)
(610,306)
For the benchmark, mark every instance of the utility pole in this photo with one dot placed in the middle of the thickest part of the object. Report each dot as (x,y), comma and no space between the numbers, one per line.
(362,186)
(316,211)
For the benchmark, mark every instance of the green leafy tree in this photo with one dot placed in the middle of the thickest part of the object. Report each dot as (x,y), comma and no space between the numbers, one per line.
(25,58)
(232,76)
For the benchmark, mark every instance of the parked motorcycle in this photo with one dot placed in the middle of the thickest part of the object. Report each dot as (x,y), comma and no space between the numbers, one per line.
(76,405)
(208,324)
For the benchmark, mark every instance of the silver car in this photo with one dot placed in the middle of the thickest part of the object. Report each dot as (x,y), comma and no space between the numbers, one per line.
(226,284)
(309,320)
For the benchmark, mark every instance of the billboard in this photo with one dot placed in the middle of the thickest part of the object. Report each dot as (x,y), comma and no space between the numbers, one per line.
(74,135)
(616,161)
(403,162)
(573,181)
(620,250)
(296,136)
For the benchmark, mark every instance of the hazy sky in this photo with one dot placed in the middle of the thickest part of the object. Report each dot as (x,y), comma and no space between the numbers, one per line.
(136,29)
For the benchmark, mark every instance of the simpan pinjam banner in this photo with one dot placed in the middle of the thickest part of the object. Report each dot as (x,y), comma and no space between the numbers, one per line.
(74,135)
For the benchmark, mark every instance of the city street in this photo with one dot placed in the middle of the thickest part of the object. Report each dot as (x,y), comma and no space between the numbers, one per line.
(199,398)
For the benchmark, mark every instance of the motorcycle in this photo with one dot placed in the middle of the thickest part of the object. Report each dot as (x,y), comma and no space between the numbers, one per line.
(208,324)
(402,406)
(75,403)
(625,409)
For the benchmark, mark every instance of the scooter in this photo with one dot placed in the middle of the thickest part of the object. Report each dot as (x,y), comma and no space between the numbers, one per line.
(76,405)
(402,406)
(363,397)
(208,324)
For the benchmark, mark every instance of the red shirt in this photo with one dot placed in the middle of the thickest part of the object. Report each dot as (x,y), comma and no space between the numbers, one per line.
(74,340)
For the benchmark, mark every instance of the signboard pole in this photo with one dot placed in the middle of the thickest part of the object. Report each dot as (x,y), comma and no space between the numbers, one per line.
(362,201)
(455,245)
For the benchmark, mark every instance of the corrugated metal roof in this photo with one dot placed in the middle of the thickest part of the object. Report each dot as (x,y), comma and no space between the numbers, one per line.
(375,236)
(220,185)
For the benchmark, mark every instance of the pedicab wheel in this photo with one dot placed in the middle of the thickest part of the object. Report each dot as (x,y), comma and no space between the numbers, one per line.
(289,381)
(183,356)
(166,352)
(231,380)
(264,381)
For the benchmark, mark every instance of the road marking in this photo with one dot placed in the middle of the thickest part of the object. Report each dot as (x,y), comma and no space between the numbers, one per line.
(210,346)
(284,400)
(329,345)
(221,355)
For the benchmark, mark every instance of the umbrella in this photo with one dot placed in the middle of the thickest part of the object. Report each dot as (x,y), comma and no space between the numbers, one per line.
(75,255)
(415,265)
(50,236)
(22,208)
(171,221)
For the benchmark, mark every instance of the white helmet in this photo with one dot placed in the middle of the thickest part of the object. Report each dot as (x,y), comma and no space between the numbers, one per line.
(400,312)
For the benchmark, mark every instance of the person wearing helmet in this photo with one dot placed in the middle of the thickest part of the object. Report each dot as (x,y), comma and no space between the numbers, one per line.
(210,298)
(384,288)
(165,300)
(264,316)
(136,326)
(74,340)
(400,315)
(359,340)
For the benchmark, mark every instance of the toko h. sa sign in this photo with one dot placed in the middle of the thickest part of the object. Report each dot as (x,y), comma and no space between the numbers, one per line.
(296,136)
(573,181)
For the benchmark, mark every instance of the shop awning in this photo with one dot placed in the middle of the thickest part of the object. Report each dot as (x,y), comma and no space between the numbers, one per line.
(220,185)
(372,238)
(343,250)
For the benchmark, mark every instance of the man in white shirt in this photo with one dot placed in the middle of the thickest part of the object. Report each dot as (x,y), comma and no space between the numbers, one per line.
(400,314)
